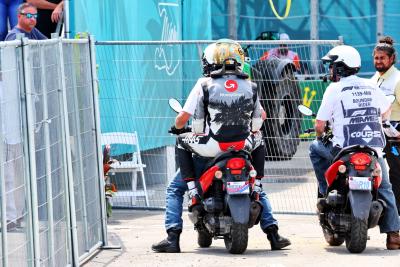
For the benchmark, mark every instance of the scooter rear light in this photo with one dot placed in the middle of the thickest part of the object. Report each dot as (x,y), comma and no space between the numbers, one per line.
(253,173)
(342,168)
(377,174)
(360,161)
(236,172)
(236,163)
(218,174)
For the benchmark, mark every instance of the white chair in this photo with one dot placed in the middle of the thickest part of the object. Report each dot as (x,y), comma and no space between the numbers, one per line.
(133,166)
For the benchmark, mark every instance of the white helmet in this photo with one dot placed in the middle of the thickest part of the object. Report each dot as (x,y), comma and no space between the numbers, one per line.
(345,54)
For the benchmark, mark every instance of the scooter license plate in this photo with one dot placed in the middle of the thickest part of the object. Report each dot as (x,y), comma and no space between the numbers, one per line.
(237,188)
(360,183)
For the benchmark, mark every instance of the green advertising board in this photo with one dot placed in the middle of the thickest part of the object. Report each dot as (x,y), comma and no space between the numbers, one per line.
(312,92)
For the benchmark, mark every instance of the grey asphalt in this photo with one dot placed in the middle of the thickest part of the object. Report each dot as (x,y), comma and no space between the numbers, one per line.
(136,230)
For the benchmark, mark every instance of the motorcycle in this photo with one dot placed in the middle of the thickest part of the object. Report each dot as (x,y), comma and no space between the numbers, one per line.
(227,206)
(351,205)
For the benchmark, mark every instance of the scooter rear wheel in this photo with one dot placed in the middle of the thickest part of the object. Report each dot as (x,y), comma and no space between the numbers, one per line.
(236,242)
(356,239)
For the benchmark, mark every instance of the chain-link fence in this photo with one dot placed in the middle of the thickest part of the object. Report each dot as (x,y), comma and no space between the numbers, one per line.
(50,183)
(137,79)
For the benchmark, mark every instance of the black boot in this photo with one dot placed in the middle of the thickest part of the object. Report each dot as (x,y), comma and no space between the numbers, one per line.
(170,244)
(277,241)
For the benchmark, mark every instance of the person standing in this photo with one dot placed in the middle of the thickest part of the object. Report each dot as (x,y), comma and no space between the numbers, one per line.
(49,12)
(8,14)
(387,78)
(27,16)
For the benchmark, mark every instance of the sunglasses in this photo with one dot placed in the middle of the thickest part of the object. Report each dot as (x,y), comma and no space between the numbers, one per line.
(30,15)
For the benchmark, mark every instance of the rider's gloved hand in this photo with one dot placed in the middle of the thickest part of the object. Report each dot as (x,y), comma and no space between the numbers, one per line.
(192,190)
(257,186)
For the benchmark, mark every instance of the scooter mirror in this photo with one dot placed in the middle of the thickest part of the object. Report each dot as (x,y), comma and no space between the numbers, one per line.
(175,105)
(305,110)
(391,98)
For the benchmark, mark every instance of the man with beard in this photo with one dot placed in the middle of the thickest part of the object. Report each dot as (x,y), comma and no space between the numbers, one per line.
(387,77)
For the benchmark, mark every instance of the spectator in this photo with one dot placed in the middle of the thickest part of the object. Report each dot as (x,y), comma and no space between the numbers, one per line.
(283,52)
(387,78)
(8,13)
(49,12)
(27,15)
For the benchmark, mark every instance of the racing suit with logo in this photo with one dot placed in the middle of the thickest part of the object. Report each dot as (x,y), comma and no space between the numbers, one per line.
(389,83)
(355,106)
(229,108)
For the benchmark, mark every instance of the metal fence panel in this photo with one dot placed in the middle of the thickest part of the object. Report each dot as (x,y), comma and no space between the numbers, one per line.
(16,245)
(82,129)
(49,154)
(53,223)
(137,79)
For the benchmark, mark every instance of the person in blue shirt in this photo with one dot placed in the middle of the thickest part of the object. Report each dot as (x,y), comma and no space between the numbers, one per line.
(27,19)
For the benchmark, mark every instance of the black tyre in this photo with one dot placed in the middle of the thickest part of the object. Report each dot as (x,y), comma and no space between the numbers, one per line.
(331,239)
(236,242)
(356,239)
(280,97)
(204,239)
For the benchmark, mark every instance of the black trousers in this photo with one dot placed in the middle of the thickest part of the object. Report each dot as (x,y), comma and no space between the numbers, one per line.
(393,160)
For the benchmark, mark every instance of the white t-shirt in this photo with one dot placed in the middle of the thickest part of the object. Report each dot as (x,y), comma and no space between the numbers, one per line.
(355,106)
(191,101)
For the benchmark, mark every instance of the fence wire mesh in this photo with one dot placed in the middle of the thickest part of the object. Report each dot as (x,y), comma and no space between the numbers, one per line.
(137,79)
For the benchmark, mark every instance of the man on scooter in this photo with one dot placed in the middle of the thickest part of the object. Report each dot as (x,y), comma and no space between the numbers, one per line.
(356,108)
(225,88)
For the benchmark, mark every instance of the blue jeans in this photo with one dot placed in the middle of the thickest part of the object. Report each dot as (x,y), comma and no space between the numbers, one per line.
(8,9)
(174,201)
(321,158)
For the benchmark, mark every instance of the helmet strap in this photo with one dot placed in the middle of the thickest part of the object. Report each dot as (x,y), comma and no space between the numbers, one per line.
(224,71)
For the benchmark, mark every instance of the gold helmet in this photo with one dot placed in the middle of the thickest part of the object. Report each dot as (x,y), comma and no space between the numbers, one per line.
(223,51)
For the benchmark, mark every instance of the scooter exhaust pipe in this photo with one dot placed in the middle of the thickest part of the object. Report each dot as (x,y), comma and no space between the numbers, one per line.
(375,213)
(255,210)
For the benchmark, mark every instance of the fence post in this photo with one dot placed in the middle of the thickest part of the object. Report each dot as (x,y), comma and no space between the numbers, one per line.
(49,182)
(3,197)
(31,150)
(69,176)
(98,137)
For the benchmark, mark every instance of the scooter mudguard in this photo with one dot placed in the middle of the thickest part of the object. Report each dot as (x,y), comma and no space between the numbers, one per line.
(239,206)
(360,203)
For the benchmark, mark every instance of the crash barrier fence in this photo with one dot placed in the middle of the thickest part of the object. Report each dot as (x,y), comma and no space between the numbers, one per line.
(51,190)
(136,79)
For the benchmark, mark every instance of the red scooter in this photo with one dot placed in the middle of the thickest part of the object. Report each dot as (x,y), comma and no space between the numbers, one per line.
(228,206)
(351,205)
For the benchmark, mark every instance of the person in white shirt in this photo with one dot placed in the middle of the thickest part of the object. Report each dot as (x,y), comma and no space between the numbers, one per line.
(387,77)
(356,107)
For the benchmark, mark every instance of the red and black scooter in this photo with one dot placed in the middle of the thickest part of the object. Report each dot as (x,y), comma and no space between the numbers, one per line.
(351,205)
(228,206)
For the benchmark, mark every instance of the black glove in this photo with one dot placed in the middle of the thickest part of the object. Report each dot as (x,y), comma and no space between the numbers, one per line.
(176,131)
(325,138)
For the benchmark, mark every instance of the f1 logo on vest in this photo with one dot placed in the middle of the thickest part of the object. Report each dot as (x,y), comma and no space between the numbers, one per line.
(231,85)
